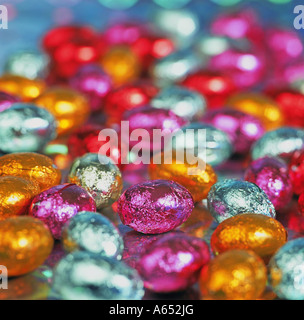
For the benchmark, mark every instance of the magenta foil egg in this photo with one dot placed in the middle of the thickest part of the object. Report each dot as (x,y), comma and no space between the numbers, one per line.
(271,175)
(243,129)
(55,206)
(6,100)
(173,262)
(155,206)
(94,83)
(145,122)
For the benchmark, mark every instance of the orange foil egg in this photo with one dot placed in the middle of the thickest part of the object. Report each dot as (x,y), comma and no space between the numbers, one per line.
(16,195)
(259,105)
(25,243)
(33,166)
(121,64)
(70,108)
(256,232)
(198,178)
(233,275)
(24,88)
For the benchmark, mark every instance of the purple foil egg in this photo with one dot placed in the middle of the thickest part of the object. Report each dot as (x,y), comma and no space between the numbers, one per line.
(146,120)
(155,206)
(173,263)
(271,175)
(58,204)
(6,100)
(243,129)
(94,83)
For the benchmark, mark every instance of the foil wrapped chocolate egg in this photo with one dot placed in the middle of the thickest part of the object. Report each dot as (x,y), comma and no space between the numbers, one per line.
(230,197)
(197,177)
(242,129)
(32,166)
(7,100)
(26,128)
(271,175)
(184,102)
(25,243)
(69,107)
(256,232)
(173,262)
(233,275)
(99,175)
(101,278)
(286,270)
(22,87)
(16,194)
(280,142)
(92,232)
(204,140)
(55,206)
(155,206)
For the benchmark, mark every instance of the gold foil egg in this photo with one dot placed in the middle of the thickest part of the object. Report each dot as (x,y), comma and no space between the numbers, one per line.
(22,87)
(233,275)
(25,243)
(260,106)
(198,178)
(256,232)
(33,166)
(70,108)
(16,194)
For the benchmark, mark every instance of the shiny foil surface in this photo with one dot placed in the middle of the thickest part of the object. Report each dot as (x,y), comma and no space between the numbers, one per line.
(87,276)
(92,232)
(99,176)
(25,243)
(155,206)
(250,231)
(26,128)
(55,206)
(286,270)
(172,263)
(282,141)
(272,176)
(32,166)
(234,275)
(6,100)
(230,197)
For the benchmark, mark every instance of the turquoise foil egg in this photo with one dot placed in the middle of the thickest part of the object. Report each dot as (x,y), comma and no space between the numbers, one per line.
(26,128)
(286,268)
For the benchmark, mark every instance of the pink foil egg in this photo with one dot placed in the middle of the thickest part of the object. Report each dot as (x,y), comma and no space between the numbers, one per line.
(55,206)
(145,120)
(94,83)
(155,206)
(172,263)
(242,129)
(6,100)
(271,175)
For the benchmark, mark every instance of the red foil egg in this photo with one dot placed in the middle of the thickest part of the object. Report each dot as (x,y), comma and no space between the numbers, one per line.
(155,206)
(296,171)
(215,86)
(173,262)
(58,204)
(242,129)
(271,175)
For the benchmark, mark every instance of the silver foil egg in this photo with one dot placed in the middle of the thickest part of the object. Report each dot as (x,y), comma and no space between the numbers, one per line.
(184,102)
(203,140)
(286,270)
(87,276)
(26,128)
(230,197)
(92,232)
(99,175)
(282,141)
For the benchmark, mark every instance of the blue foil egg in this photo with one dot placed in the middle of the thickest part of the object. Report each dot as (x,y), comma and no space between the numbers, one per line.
(87,276)
(230,197)
(205,141)
(25,128)
(286,270)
